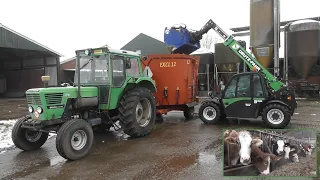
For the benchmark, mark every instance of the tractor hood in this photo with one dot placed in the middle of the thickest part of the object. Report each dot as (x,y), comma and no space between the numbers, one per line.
(51,102)
(70,92)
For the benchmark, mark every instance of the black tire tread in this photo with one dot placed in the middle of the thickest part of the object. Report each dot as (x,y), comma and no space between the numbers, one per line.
(60,135)
(188,113)
(284,109)
(62,130)
(126,108)
(22,143)
(217,108)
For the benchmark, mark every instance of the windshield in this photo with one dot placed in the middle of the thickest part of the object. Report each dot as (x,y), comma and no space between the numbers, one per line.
(93,70)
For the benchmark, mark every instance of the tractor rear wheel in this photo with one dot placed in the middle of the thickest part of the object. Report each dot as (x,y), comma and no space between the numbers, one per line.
(276,116)
(27,139)
(209,113)
(188,113)
(137,111)
(74,139)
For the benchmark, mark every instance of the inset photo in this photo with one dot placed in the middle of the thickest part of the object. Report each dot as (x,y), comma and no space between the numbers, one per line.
(270,152)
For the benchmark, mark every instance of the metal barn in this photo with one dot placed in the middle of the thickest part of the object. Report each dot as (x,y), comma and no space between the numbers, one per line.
(22,63)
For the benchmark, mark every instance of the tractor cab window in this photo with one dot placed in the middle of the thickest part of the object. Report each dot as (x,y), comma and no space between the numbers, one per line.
(230,91)
(134,70)
(93,70)
(257,86)
(118,73)
(243,86)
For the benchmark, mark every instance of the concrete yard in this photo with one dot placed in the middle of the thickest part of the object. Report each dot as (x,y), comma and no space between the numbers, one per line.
(176,149)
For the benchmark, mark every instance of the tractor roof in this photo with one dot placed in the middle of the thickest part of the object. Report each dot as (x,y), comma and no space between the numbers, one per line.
(124,52)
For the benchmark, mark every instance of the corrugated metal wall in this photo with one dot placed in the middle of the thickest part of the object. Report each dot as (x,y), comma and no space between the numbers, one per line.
(21,75)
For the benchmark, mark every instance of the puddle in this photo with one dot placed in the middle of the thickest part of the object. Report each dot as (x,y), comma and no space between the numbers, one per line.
(57,160)
(180,163)
(206,158)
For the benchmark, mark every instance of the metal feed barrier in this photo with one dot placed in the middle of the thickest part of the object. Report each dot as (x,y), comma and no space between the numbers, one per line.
(267,137)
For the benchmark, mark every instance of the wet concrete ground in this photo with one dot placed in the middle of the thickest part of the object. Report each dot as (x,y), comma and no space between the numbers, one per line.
(176,149)
(12,108)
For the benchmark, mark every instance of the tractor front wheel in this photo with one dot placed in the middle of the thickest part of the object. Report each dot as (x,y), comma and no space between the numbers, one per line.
(74,139)
(209,113)
(276,116)
(137,112)
(27,139)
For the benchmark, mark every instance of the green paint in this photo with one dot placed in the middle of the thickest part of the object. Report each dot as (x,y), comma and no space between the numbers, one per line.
(56,97)
(273,82)
(53,100)
(228,102)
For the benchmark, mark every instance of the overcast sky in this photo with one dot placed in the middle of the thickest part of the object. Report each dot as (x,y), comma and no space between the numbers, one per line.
(67,25)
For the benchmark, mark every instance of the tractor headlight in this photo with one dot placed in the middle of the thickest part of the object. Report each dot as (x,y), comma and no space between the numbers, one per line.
(87,52)
(39,110)
(30,109)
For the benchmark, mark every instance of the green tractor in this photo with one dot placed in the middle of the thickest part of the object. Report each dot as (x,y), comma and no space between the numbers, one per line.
(109,86)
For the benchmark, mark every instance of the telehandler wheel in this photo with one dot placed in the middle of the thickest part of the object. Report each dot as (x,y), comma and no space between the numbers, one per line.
(188,113)
(137,112)
(27,139)
(74,139)
(276,116)
(209,113)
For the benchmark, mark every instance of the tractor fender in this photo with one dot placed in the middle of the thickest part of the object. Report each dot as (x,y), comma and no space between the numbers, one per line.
(213,100)
(147,83)
(140,82)
(277,102)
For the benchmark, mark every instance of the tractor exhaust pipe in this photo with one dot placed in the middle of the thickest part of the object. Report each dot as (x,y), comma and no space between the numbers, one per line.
(78,73)
(45,80)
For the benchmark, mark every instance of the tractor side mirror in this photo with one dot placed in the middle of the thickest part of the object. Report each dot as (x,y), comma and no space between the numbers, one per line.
(147,71)
(127,63)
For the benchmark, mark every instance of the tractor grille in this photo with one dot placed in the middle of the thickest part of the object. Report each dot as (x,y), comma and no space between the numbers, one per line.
(53,99)
(33,99)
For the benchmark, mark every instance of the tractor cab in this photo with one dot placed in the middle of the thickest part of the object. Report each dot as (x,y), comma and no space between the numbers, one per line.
(102,66)
(109,70)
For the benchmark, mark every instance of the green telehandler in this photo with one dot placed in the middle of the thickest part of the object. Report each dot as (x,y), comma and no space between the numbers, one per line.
(109,86)
(246,95)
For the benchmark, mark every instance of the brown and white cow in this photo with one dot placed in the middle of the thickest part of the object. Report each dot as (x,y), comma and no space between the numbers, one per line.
(240,144)
(306,150)
(262,160)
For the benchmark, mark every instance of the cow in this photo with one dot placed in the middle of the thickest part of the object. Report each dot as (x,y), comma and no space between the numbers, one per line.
(291,152)
(238,146)
(306,150)
(277,147)
(232,133)
(262,161)
(232,148)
